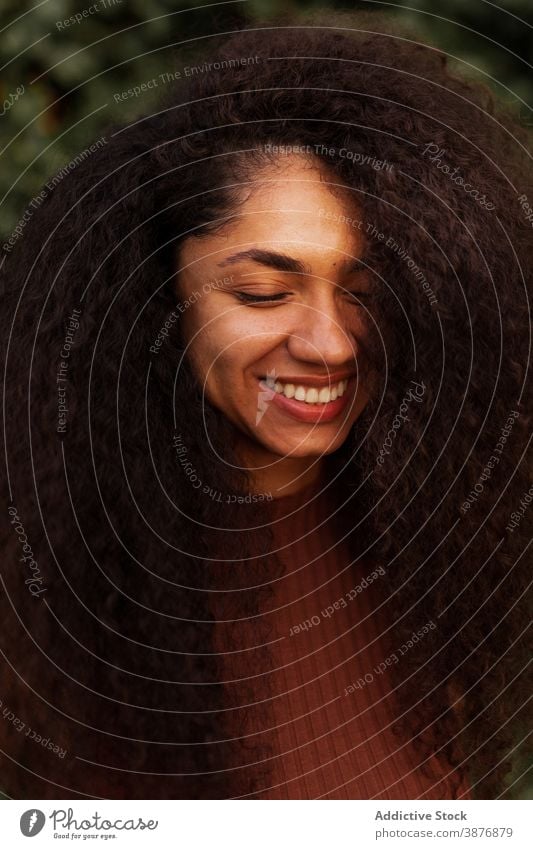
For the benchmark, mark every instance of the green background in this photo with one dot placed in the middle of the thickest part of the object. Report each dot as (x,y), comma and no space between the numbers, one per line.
(70,74)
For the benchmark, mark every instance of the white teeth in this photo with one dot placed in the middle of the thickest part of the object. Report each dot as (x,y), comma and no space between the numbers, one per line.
(289,390)
(310,394)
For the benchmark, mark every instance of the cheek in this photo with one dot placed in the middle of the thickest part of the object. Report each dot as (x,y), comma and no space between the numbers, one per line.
(204,326)
(220,349)
(199,340)
(227,377)
(232,364)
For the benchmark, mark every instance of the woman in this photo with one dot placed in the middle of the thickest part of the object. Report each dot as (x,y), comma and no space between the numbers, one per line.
(265,377)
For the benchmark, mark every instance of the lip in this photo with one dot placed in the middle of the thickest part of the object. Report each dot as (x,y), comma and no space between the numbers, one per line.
(311,380)
(311,413)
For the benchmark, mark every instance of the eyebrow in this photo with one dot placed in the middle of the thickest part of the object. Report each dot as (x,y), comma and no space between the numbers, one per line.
(283,262)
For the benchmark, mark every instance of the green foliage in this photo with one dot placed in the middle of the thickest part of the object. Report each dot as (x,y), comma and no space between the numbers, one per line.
(71,71)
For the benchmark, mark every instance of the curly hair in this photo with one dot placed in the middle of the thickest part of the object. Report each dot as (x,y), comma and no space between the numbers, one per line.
(108,640)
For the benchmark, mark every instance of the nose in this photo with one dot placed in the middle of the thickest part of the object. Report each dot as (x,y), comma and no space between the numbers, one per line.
(320,337)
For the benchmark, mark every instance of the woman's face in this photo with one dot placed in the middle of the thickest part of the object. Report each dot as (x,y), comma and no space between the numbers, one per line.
(272,311)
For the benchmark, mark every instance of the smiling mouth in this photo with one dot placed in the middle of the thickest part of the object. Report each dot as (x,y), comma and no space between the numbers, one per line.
(317,395)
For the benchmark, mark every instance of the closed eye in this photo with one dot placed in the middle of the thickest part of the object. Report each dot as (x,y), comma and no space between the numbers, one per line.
(249,298)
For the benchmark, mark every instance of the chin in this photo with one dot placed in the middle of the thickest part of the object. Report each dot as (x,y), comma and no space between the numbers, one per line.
(307,447)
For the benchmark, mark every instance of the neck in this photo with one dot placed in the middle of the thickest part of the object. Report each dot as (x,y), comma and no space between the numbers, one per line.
(281,476)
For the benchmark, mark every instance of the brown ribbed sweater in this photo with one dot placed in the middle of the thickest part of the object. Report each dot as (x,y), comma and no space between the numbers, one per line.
(323,737)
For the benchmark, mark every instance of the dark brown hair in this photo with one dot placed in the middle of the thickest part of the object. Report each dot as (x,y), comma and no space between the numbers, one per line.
(114,662)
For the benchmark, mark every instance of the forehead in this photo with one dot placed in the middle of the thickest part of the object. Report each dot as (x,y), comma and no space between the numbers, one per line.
(296,206)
